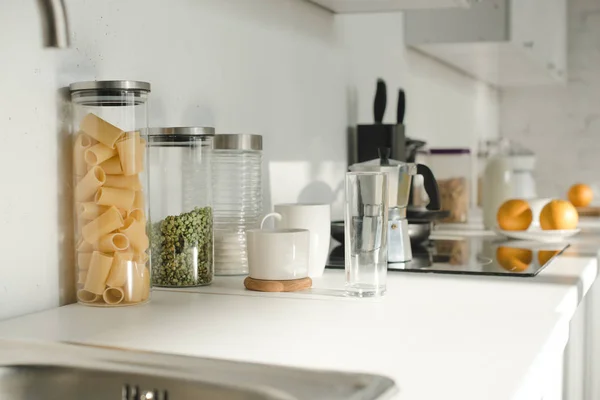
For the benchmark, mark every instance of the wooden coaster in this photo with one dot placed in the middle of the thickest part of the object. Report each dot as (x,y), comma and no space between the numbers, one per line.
(277,286)
(589,211)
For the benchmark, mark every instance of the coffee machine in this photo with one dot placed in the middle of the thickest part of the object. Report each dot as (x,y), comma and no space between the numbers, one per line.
(399,183)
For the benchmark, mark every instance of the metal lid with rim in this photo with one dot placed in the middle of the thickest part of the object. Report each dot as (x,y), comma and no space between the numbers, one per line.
(183,131)
(110,85)
(237,141)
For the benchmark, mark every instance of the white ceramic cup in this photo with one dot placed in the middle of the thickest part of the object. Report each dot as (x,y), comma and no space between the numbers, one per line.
(277,254)
(314,217)
(536,206)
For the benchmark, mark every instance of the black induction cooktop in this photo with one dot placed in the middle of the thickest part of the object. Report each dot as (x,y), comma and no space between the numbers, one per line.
(472,256)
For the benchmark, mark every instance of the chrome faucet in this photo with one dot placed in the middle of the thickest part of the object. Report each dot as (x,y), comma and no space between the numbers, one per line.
(55,26)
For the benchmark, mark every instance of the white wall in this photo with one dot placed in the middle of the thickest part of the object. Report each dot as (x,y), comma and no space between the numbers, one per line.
(561,123)
(444,107)
(283,68)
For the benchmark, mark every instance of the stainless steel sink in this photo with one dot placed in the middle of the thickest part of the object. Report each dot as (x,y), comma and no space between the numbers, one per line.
(41,382)
(68,371)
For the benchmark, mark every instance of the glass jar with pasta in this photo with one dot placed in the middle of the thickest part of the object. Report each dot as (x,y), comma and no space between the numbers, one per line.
(181,206)
(111,209)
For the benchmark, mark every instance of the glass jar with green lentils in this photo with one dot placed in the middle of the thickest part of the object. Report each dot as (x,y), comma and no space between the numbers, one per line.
(181,232)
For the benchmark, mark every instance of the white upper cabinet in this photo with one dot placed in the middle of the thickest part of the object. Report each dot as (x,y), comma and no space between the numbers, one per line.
(502,42)
(366,6)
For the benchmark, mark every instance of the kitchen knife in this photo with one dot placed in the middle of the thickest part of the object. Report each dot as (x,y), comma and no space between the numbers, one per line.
(401,107)
(380,101)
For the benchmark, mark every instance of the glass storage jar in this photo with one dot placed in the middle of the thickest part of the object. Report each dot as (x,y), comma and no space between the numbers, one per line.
(109,174)
(237,186)
(452,170)
(181,235)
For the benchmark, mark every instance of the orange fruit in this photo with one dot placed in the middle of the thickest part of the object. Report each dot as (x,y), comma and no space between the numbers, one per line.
(580,195)
(559,214)
(545,255)
(514,215)
(514,259)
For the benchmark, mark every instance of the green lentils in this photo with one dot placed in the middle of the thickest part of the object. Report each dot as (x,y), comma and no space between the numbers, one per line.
(182,249)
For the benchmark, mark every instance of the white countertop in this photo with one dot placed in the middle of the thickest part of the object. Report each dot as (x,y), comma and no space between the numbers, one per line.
(438,336)
(445,337)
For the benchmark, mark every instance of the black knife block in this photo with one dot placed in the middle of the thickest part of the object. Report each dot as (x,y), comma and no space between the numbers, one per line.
(368,139)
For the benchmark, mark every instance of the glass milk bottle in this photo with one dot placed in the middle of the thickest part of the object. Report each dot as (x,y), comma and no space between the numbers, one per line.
(109,176)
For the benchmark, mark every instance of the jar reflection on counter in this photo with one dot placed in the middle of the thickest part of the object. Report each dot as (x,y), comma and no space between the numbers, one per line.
(110,181)
(181,206)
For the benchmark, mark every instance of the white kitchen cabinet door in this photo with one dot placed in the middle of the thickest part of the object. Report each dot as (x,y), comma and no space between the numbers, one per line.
(368,6)
(502,42)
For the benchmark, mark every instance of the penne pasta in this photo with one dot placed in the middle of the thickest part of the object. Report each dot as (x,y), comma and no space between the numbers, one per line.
(145,283)
(84,247)
(112,242)
(134,287)
(83,260)
(137,214)
(138,201)
(82,275)
(90,210)
(97,274)
(105,223)
(78,225)
(136,232)
(101,130)
(120,198)
(131,182)
(82,143)
(122,264)
(86,188)
(113,295)
(127,147)
(112,166)
(110,227)
(85,296)
(99,153)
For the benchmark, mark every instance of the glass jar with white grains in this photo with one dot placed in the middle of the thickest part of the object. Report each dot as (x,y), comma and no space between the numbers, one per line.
(110,185)
(237,184)
(181,206)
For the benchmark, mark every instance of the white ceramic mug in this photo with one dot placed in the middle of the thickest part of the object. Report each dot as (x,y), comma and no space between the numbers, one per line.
(314,217)
(277,254)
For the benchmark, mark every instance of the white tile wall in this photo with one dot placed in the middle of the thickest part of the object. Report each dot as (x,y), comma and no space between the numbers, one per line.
(283,68)
(561,123)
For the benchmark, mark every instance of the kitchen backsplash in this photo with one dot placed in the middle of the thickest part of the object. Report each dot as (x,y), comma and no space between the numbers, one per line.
(561,123)
(285,69)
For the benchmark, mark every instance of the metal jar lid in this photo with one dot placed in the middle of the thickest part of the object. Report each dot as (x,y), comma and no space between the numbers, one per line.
(183,131)
(135,86)
(237,141)
(180,135)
